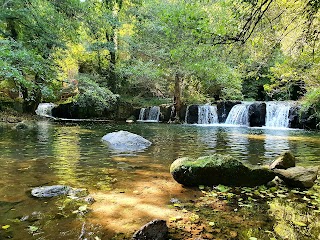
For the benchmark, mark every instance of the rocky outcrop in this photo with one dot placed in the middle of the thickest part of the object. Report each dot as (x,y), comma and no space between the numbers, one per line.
(192,114)
(299,177)
(165,113)
(123,141)
(155,230)
(257,114)
(218,169)
(284,161)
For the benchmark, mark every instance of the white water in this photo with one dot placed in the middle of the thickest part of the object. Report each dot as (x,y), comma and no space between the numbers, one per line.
(141,115)
(239,115)
(44,109)
(277,115)
(186,117)
(207,114)
(154,114)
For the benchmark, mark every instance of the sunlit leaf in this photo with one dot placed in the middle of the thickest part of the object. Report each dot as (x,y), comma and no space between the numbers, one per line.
(33,228)
(5,227)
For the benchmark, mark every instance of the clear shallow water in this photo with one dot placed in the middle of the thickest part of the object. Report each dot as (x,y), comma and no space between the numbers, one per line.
(74,155)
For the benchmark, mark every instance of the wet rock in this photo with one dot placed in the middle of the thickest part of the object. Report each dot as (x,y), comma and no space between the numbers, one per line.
(124,141)
(192,116)
(50,191)
(59,190)
(275,182)
(24,125)
(77,192)
(155,230)
(284,161)
(165,113)
(299,177)
(257,114)
(218,169)
(89,199)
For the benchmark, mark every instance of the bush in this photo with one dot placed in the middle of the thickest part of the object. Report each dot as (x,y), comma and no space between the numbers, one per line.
(311,102)
(92,99)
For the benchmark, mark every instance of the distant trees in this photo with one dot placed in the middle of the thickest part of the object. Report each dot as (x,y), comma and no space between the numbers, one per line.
(192,51)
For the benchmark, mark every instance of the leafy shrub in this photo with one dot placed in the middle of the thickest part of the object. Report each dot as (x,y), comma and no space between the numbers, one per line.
(311,102)
(92,98)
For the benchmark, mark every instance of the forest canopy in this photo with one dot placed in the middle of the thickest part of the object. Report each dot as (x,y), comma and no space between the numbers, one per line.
(203,50)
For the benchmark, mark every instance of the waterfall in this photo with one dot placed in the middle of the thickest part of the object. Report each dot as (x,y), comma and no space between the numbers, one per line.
(44,109)
(151,114)
(154,114)
(239,115)
(186,117)
(278,114)
(207,114)
(141,115)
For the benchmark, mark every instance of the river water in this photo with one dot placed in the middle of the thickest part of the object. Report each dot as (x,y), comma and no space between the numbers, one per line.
(130,189)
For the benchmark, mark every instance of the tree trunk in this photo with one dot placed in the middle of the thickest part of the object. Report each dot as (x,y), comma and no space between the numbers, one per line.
(177,96)
(112,68)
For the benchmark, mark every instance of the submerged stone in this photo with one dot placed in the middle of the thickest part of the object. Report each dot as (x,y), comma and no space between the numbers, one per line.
(50,191)
(155,230)
(218,169)
(300,177)
(60,190)
(124,141)
(284,161)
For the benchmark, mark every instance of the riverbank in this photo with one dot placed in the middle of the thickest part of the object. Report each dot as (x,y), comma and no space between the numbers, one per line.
(11,116)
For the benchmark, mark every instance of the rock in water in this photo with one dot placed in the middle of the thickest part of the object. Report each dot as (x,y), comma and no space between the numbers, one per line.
(124,141)
(298,176)
(218,169)
(284,161)
(154,230)
(50,191)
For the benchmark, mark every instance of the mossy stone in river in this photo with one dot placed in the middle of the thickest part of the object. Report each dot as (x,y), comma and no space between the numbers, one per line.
(218,169)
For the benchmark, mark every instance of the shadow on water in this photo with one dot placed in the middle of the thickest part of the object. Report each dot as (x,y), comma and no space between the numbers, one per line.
(130,189)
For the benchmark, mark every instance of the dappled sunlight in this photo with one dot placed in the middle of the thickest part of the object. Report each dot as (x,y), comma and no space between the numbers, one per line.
(138,201)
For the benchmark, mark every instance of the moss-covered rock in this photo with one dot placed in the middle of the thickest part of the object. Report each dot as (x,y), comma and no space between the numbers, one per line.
(284,161)
(218,169)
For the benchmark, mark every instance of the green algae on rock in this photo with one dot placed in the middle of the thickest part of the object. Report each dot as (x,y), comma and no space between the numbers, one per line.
(218,169)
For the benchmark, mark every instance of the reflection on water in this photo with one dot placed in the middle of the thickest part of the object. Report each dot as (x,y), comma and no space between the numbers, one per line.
(238,141)
(275,142)
(74,155)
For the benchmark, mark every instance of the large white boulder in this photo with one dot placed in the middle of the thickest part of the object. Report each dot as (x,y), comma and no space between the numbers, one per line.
(124,141)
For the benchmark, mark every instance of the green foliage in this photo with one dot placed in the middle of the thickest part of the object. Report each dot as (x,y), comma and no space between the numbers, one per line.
(93,97)
(19,66)
(311,101)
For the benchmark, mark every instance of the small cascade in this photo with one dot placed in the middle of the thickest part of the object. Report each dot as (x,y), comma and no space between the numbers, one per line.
(277,114)
(239,115)
(187,114)
(154,114)
(207,114)
(45,109)
(141,115)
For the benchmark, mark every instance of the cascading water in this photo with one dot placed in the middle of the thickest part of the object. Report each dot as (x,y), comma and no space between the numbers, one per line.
(277,115)
(149,115)
(154,114)
(44,109)
(207,114)
(239,115)
(141,115)
(186,117)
